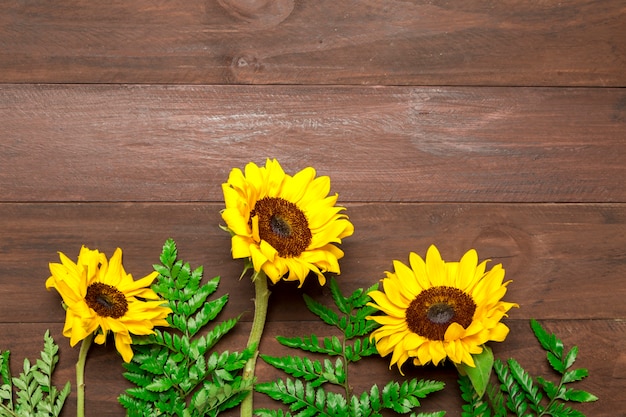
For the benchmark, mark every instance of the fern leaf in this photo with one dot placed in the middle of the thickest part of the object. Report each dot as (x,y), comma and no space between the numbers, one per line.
(549,342)
(208,312)
(525,381)
(323,312)
(474,405)
(300,397)
(264,412)
(403,398)
(360,297)
(171,369)
(516,401)
(330,346)
(341,302)
(575,375)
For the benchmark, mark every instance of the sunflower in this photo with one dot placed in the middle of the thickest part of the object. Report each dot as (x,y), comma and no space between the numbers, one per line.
(100,297)
(435,310)
(287,225)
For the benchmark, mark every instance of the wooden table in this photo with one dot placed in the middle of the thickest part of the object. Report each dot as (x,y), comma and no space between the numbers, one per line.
(499,126)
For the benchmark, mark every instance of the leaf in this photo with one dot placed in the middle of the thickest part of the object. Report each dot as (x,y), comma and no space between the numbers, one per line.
(172,369)
(479,375)
(570,358)
(474,405)
(340,301)
(312,344)
(35,394)
(299,396)
(555,362)
(579,396)
(323,312)
(312,371)
(264,412)
(548,341)
(307,394)
(575,375)
(403,398)
(516,401)
(525,381)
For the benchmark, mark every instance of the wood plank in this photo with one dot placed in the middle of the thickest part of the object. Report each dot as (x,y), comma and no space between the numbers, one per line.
(178,143)
(475,42)
(566,261)
(597,340)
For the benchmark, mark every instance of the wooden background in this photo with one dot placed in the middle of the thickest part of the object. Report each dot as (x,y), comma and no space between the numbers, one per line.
(497,125)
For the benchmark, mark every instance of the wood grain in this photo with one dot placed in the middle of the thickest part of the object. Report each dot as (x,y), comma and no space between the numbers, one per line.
(474,42)
(178,143)
(493,125)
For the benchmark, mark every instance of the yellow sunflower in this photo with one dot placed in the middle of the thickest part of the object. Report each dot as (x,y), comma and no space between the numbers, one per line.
(101,297)
(435,309)
(287,225)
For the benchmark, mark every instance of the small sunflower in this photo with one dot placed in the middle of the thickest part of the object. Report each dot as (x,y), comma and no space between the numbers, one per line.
(101,297)
(435,309)
(287,225)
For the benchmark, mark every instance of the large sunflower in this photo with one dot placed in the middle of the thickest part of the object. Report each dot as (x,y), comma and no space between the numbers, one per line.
(435,309)
(287,225)
(101,297)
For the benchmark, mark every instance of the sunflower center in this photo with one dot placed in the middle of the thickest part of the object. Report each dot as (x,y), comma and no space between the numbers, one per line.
(283,225)
(106,300)
(435,309)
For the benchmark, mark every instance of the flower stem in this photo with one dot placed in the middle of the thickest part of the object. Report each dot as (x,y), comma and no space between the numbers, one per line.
(80,375)
(262,295)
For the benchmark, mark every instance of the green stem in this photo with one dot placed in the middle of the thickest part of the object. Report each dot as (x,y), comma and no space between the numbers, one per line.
(8,411)
(262,295)
(80,375)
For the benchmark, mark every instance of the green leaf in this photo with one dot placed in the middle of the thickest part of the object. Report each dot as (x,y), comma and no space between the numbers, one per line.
(329,346)
(474,405)
(340,301)
(307,395)
(548,341)
(516,401)
(403,398)
(575,375)
(169,253)
(323,312)
(300,397)
(172,370)
(35,394)
(579,396)
(555,362)
(264,412)
(312,371)
(525,381)
(570,358)
(479,375)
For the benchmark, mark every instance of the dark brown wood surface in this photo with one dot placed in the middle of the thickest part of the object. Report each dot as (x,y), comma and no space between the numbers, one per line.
(499,126)
(578,42)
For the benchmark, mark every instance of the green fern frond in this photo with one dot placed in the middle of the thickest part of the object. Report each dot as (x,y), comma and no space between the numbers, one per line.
(528,396)
(306,393)
(34,393)
(475,405)
(402,398)
(174,370)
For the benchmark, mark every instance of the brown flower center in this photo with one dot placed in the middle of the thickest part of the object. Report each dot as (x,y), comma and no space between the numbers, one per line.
(283,225)
(106,300)
(435,309)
